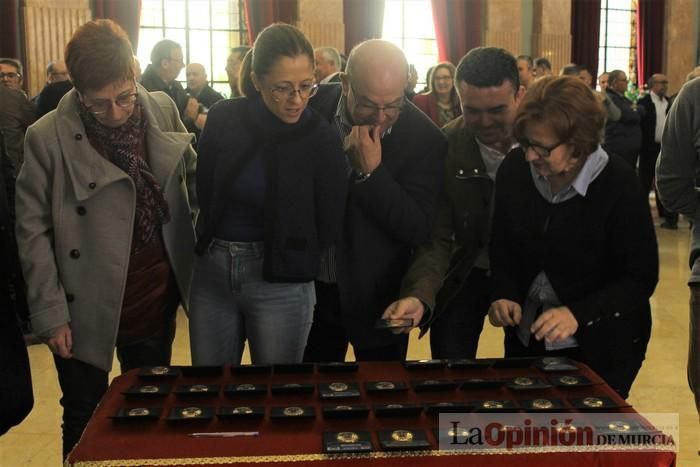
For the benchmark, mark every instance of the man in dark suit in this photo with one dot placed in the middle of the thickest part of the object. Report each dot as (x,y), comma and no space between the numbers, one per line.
(327,65)
(656,106)
(15,117)
(161,75)
(395,165)
(623,136)
(197,85)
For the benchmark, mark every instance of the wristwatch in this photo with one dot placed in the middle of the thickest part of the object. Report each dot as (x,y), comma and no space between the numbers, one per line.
(361,176)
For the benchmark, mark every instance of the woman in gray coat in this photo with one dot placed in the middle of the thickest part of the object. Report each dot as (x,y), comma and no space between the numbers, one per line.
(104,225)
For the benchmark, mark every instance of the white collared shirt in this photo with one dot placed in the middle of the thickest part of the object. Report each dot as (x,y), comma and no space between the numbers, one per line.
(328,78)
(661,105)
(492,157)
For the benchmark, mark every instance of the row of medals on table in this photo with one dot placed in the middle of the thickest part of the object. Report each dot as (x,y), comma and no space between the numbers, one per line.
(360,441)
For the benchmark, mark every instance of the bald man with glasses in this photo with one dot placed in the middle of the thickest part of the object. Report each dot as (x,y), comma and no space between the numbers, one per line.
(395,158)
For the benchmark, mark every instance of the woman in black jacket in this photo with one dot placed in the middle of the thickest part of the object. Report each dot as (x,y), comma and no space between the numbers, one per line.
(271,182)
(573,251)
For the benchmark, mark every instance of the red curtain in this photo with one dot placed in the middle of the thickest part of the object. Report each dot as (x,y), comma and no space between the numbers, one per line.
(261,13)
(457,27)
(650,38)
(363,20)
(585,34)
(9,21)
(126,13)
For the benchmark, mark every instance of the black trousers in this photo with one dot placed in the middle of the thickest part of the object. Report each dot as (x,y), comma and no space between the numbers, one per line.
(455,332)
(83,385)
(328,341)
(647,168)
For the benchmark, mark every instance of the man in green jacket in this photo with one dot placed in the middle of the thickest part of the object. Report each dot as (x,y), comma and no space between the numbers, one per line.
(448,285)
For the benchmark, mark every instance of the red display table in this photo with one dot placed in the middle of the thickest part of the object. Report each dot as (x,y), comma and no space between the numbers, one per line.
(296,441)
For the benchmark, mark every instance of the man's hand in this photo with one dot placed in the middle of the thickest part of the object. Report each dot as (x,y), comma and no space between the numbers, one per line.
(364,147)
(554,325)
(192,108)
(200,121)
(406,308)
(505,313)
(61,342)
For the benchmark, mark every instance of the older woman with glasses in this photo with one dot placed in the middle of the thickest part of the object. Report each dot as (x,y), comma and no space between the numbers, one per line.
(105,205)
(573,251)
(272,183)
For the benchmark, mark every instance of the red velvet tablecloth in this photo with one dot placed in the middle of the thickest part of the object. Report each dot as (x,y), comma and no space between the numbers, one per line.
(108,442)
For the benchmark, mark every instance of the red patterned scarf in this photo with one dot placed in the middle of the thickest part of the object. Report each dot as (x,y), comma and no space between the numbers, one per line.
(121,146)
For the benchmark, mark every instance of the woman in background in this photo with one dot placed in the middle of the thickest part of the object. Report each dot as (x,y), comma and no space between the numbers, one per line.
(573,252)
(104,222)
(441,103)
(272,181)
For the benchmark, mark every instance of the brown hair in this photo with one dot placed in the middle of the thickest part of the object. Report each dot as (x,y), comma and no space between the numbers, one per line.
(98,54)
(275,41)
(453,72)
(569,107)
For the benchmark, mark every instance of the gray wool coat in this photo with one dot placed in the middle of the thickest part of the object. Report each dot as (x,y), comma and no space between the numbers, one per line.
(75,218)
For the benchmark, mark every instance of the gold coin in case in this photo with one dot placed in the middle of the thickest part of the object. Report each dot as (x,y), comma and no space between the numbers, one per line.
(148,389)
(191,412)
(619,426)
(593,402)
(159,370)
(199,388)
(245,387)
(385,385)
(552,360)
(343,407)
(394,406)
(347,437)
(138,412)
(338,387)
(242,410)
(293,411)
(492,404)
(542,404)
(523,381)
(569,380)
(457,432)
(402,436)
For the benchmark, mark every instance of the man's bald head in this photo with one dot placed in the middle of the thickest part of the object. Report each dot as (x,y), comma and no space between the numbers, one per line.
(56,71)
(196,77)
(376,60)
(374,83)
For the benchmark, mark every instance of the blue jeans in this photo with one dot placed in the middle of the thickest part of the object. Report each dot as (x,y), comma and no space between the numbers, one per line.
(230,301)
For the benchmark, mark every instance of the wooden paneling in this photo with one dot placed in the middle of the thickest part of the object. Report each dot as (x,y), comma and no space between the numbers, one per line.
(322,22)
(502,24)
(551,32)
(679,42)
(48,27)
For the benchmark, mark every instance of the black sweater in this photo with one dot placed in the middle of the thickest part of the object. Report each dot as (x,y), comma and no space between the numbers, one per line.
(305,183)
(598,251)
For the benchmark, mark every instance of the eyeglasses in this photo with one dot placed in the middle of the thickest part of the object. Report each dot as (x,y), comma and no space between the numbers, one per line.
(10,75)
(542,151)
(287,91)
(391,111)
(104,105)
